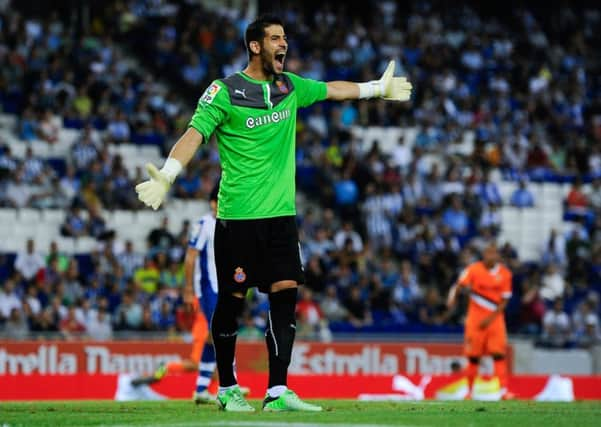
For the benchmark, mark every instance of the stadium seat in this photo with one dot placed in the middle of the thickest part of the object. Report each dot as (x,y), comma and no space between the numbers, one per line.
(537,191)
(8,215)
(147,219)
(66,245)
(18,149)
(122,218)
(510,216)
(506,189)
(136,234)
(29,216)
(149,151)
(128,151)
(8,121)
(53,216)
(68,136)
(40,148)
(43,240)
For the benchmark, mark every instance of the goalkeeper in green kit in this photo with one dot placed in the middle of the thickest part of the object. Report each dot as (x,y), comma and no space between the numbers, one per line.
(253,116)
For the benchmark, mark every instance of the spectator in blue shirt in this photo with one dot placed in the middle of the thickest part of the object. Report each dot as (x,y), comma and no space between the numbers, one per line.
(455,217)
(522,197)
(488,191)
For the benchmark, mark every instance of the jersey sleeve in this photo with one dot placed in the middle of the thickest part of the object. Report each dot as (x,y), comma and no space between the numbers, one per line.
(308,91)
(198,236)
(466,277)
(212,110)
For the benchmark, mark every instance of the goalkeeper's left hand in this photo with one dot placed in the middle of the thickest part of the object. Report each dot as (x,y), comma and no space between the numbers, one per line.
(388,87)
(394,88)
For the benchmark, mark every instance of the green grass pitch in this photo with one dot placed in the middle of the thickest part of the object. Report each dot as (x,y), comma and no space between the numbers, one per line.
(338,413)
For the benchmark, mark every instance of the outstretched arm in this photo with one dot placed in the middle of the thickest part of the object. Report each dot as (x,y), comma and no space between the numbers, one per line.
(340,90)
(388,87)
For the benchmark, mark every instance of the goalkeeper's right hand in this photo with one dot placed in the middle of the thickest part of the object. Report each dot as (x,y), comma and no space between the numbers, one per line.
(153,192)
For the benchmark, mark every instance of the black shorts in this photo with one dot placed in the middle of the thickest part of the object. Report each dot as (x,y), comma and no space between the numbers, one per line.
(257,252)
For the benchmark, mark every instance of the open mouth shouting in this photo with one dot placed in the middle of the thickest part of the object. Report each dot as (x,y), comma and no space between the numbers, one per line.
(279,61)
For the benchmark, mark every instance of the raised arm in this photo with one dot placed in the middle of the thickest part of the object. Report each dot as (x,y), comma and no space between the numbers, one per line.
(388,87)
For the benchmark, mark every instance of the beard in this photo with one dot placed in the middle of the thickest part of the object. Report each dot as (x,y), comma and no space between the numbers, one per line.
(267,62)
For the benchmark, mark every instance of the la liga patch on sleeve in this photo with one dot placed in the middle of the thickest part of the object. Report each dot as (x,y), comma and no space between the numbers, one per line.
(210,93)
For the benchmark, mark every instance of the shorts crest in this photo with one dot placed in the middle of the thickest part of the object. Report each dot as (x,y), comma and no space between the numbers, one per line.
(239,275)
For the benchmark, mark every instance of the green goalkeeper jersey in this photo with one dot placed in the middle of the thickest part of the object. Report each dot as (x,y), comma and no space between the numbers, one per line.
(255,125)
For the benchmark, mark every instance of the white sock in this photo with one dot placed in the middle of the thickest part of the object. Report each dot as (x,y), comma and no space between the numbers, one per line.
(229,387)
(276,391)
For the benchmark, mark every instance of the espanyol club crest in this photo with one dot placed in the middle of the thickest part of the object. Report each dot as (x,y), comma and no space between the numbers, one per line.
(282,86)
(239,275)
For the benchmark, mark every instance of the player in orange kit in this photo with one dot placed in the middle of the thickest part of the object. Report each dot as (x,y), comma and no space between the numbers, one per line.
(489,285)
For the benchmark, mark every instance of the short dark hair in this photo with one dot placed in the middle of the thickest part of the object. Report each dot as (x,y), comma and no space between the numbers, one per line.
(256,29)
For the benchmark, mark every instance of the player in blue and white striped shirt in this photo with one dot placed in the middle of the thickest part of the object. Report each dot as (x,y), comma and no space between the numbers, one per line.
(200,292)
(201,276)
(200,295)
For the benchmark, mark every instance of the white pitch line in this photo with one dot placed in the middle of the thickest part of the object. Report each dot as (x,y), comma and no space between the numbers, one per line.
(262,424)
(289,424)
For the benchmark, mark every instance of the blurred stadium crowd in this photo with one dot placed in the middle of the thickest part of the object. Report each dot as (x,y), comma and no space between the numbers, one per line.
(383,235)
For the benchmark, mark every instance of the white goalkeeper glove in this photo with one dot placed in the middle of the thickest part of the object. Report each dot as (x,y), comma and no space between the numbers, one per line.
(388,87)
(153,192)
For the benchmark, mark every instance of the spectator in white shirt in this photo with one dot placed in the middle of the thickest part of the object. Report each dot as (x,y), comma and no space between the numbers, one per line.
(28,263)
(320,245)
(8,300)
(553,283)
(585,322)
(32,166)
(379,227)
(33,301)
(49,127)
(99,327)
(556,326)
(453,184)
(331,306)
(401,154)
(18,192)
(130,260)
(348,232)
(16,326)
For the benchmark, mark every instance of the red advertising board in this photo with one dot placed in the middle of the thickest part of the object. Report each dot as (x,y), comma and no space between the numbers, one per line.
(336,359)
(103,370)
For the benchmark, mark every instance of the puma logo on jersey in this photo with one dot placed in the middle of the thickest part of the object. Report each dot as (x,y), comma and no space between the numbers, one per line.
(242,92)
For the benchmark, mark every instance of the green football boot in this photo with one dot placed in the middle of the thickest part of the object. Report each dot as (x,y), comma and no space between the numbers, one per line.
(160,372)
(232,400)
(288,401)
